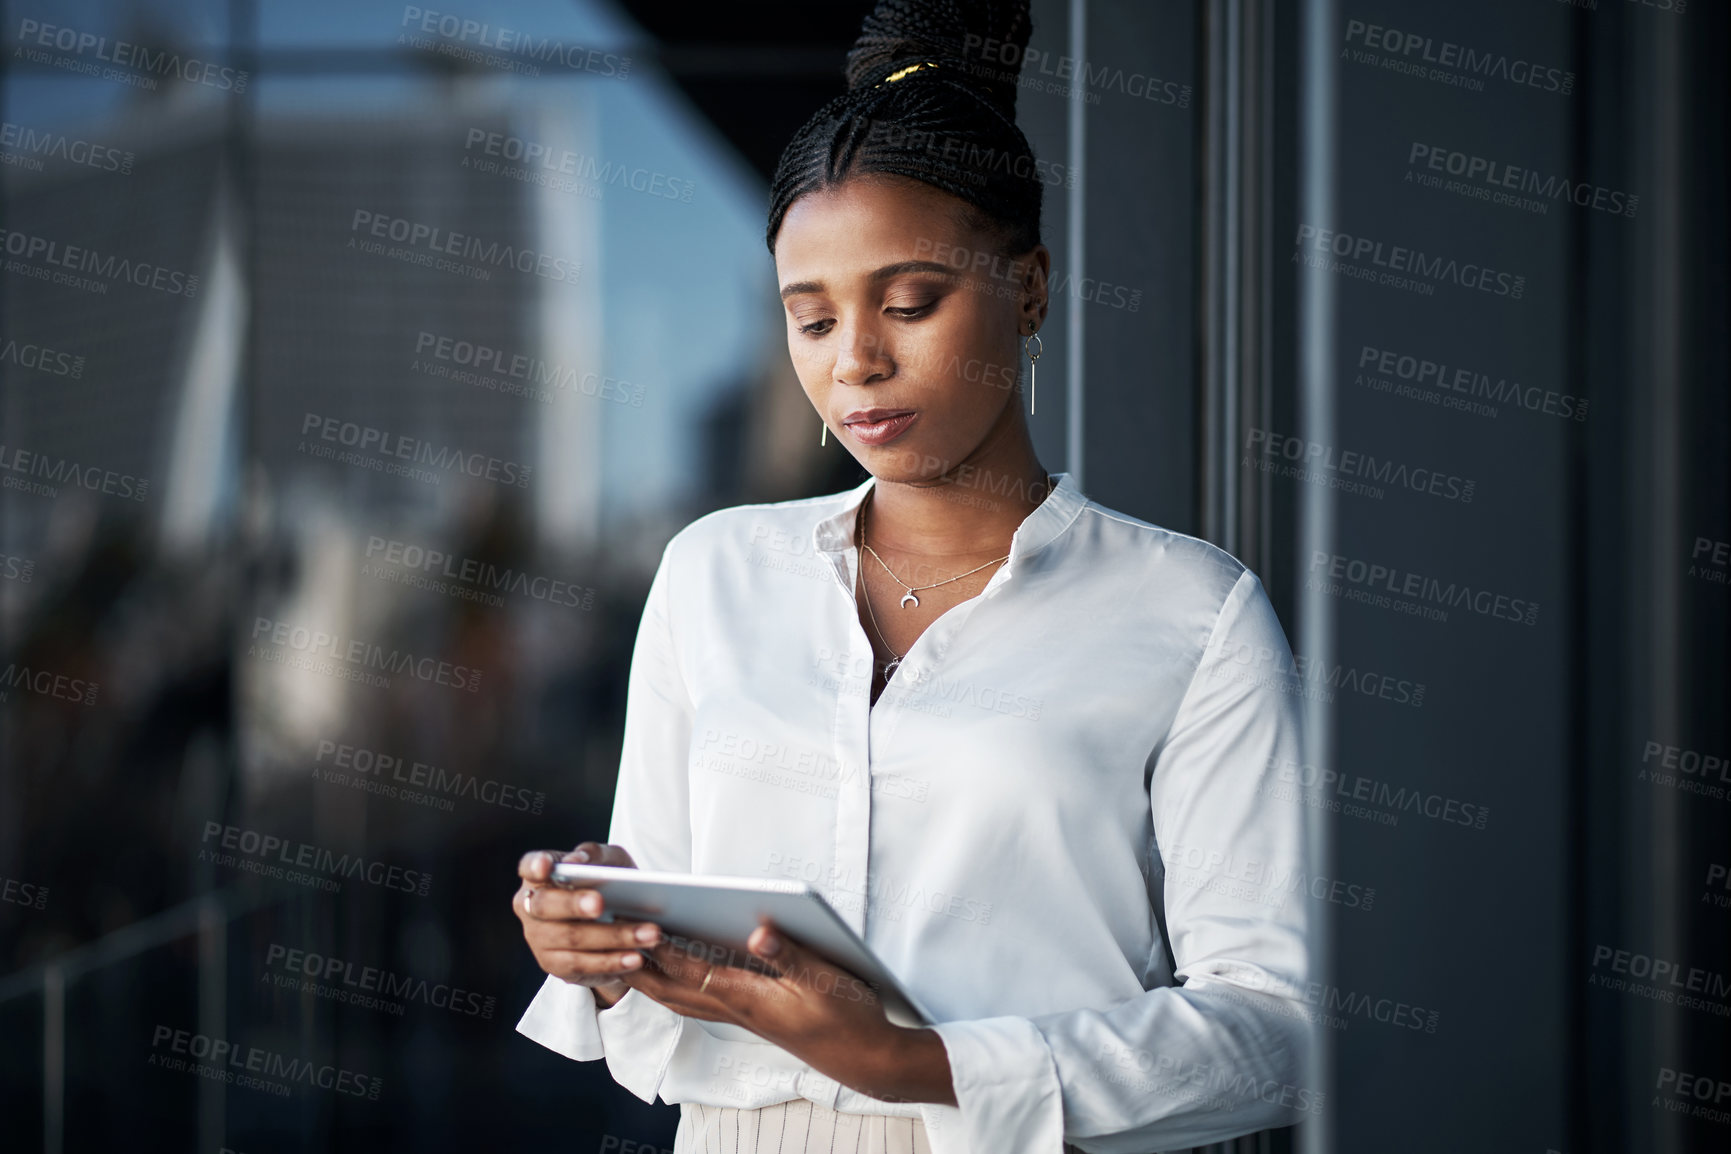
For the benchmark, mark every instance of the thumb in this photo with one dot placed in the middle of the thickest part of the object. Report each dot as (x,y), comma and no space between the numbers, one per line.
(600,853)
(802,966)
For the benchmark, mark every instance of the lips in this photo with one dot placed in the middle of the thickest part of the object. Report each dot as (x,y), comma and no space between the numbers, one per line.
(872,416)
(878,426)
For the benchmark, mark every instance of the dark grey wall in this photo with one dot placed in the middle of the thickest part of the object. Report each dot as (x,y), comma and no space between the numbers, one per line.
(1580,628)
(1136,291)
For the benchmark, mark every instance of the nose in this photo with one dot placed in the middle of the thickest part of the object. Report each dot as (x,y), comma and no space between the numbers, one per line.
(862,357)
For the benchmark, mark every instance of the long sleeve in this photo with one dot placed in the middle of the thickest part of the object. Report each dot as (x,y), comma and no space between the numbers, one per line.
(652,821)
(1223,1053)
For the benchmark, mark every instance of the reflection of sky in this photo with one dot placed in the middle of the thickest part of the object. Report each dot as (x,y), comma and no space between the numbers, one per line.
(683,285)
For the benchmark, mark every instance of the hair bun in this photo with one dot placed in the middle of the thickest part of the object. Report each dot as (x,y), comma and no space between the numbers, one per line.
(968,39)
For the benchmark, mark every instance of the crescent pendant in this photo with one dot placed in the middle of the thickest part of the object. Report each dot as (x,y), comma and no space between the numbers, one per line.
(907,597)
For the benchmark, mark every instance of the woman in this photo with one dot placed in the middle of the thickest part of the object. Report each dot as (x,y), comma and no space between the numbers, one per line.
(1023,743)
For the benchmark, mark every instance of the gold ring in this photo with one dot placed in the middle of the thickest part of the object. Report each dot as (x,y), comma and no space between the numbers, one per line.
(706,978)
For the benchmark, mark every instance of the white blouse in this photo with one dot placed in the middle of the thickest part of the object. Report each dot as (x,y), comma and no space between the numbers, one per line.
(1060,825)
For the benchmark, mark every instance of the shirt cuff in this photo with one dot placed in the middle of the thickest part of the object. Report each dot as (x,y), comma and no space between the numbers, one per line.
(636,1034)
(1008,1100)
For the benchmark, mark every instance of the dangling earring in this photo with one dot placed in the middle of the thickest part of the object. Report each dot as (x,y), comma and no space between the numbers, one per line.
(1033,355)
(824,440)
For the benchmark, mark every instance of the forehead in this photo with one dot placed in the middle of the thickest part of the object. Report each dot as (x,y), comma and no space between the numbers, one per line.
(865,223)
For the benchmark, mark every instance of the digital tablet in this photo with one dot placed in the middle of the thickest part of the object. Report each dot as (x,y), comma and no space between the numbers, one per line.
(722,912)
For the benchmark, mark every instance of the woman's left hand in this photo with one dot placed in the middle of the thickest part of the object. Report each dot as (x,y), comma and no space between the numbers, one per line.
(816,1011)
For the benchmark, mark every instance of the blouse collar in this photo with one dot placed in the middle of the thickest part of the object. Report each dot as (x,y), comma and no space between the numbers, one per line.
(834,534)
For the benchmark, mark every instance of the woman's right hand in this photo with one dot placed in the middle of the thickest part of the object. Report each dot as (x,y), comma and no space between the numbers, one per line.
(559,924)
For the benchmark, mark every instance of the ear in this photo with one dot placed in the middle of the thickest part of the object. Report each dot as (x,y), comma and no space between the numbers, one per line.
(1036,267)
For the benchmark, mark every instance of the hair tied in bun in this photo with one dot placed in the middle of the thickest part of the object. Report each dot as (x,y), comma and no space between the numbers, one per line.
(901,72)
(953,126)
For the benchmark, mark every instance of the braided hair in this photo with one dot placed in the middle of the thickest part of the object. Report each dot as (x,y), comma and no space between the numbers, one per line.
(927,99)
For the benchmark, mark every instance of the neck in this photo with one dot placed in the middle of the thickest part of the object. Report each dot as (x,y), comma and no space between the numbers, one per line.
(974,508)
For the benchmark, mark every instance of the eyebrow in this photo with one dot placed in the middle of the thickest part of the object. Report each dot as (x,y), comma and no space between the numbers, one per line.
(882,274)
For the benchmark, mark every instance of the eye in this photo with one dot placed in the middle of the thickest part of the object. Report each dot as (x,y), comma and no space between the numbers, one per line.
(817,328)
(912,312)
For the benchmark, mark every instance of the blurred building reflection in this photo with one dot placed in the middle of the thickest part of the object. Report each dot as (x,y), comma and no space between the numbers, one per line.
(408,368)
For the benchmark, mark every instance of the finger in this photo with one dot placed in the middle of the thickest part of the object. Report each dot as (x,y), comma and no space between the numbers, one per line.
(691,958)
(799,965)
(680,965)
(586,935)
(600,853)
(525,904)
(574,965)
(697,977)
(537,865)
(556,902)
(676,996)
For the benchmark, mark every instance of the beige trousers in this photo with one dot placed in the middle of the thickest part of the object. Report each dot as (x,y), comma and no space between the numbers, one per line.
(796,1127)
